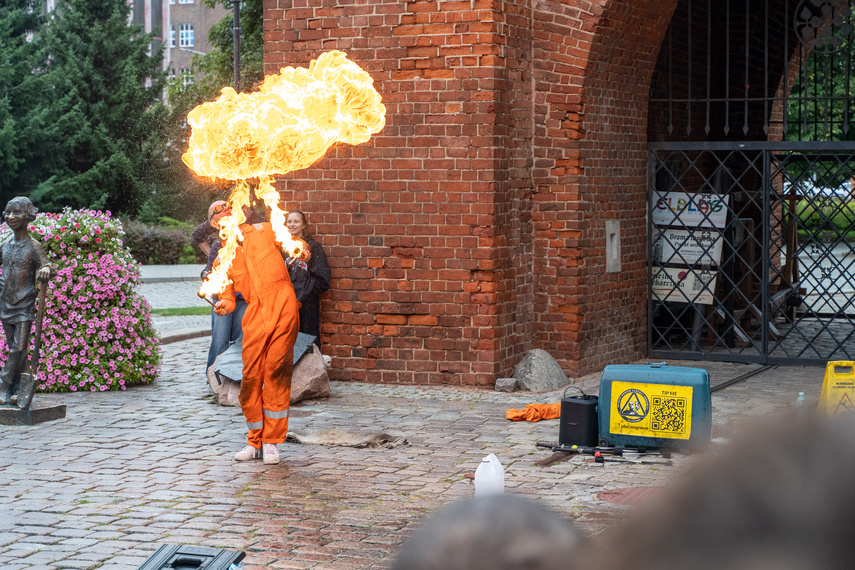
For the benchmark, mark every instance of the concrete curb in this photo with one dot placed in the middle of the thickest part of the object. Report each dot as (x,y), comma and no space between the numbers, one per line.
(186,334)
(150,280)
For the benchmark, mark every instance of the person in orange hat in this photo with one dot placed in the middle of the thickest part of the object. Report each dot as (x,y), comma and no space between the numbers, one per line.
(270,326)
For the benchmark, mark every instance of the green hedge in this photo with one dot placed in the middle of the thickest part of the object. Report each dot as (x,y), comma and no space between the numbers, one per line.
(828,219)
(166,244)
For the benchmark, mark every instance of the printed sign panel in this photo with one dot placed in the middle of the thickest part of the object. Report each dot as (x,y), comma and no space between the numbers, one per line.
(690,210)
(651,410)
(685,247)
(684,285)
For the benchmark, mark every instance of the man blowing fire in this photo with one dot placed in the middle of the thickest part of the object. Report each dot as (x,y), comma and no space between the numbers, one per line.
(287,125)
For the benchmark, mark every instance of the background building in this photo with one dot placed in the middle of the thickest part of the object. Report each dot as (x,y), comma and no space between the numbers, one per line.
(184,24)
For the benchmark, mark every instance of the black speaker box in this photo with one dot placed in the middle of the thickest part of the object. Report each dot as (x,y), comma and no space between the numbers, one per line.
(579,421)
(178,557)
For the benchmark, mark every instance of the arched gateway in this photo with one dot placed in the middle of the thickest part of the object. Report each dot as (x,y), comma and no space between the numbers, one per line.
(509,202)
(751,165)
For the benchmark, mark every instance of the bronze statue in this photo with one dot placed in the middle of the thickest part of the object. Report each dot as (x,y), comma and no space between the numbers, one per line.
(23,260)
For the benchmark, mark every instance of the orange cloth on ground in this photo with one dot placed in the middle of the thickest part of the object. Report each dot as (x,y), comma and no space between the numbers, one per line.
(535,413)
(270,327)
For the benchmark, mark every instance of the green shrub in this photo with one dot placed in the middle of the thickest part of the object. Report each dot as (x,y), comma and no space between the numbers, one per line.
(156,245)
(826,219)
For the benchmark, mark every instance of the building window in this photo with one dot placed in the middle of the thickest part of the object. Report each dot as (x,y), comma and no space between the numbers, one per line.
(185,35)
(171,41)
(185,1)
(186,77)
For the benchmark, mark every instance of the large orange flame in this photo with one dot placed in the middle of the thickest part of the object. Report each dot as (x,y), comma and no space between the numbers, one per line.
(288,124)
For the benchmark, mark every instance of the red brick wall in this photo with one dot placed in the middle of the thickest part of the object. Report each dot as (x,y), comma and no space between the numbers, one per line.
(472,228)
(597,59)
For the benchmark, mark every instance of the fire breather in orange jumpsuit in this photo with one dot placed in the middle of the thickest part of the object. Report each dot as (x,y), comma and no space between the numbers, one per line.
(270,327)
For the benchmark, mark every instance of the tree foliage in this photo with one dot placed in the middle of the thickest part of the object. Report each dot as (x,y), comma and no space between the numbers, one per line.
(103,103)
(20,145)
(214,71)
(820,105)
(82,123)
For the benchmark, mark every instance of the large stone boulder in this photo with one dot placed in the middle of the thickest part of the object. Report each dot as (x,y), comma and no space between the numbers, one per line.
(539,372)
(309,380)
(225,389)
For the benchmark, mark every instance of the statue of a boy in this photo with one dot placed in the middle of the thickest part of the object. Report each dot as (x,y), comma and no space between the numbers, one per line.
(23,261)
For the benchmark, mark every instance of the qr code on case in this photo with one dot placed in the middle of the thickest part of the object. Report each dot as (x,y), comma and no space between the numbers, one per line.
(668,414)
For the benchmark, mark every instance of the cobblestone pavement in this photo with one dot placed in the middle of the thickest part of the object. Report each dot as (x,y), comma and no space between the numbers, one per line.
(125,472)
(173,287)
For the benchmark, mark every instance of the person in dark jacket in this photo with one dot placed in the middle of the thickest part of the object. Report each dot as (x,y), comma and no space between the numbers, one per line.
(310,278)
(208,232)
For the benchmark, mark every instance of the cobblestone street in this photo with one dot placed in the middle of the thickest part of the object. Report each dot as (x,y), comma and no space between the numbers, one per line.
(125,472)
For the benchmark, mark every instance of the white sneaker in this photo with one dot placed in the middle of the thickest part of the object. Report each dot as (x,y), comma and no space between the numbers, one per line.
(271,454)
(248,453)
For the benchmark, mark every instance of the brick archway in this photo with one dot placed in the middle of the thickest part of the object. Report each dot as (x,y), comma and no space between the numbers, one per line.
(472,228)
(600,175)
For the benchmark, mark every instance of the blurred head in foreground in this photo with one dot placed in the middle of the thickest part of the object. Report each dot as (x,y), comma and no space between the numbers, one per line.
(780,496)
(495,531)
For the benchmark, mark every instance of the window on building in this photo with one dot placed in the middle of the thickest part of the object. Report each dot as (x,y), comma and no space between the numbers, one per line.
(186,77)
(185,1)
(185,35)
(171,41)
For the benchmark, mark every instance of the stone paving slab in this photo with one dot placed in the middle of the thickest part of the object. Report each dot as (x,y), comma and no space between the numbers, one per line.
(127,471)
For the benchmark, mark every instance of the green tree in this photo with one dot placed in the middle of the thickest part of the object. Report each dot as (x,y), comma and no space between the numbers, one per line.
(21,143)
(217,66)
(189,195)
(215,69)
(103,116)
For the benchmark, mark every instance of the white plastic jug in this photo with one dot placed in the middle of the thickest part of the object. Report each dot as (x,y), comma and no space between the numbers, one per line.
(490,477)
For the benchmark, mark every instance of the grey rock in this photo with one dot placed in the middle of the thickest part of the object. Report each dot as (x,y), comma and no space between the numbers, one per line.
(310,381)
(539,372)
(226,390)
(506,385)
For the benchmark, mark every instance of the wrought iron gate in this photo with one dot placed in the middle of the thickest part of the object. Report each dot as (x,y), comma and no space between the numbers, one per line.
(752,252)
(751,183)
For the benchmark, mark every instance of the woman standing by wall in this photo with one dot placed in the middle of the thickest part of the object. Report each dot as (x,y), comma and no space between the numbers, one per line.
(310,278)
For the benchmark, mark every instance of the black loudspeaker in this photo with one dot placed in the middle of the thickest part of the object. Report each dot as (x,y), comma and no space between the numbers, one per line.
(177,557)
(579,421)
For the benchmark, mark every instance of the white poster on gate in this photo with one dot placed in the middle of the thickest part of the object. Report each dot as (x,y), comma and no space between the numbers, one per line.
(688,247)
(689,210)
(683,285)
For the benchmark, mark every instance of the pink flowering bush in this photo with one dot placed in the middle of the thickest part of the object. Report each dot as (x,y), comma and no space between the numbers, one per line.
(97,329)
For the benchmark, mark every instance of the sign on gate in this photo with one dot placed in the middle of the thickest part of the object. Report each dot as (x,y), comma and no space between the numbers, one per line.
(689,210)
(688,247)
(682,285)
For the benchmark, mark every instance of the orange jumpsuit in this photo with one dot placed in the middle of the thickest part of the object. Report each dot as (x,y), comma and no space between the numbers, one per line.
(270,327)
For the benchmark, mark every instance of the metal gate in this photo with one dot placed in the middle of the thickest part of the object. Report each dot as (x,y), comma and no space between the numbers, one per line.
(751,183)
(752,252)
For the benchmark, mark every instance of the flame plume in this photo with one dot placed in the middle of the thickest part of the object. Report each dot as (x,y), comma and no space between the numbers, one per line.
(288,124)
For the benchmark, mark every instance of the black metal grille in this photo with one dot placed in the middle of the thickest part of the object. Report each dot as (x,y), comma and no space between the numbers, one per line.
(751,173)
(756,69)
(752,252)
